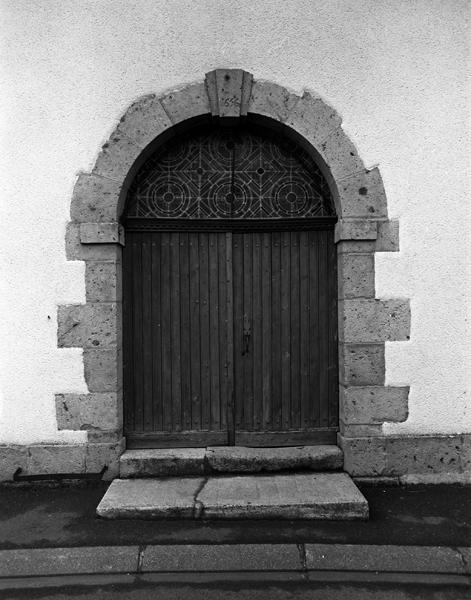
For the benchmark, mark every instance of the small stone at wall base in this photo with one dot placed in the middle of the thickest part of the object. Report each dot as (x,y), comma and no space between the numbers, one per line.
(101,455)
(410,455)
(363,456)
(12,457)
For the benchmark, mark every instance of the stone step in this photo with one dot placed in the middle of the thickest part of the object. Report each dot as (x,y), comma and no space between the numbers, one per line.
(169,462)
(331,496)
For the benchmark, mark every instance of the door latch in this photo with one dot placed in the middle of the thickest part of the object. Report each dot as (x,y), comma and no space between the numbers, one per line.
(247,335)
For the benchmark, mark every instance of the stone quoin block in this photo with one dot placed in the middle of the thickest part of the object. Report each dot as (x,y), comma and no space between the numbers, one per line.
(100,455)
(191,101)
(271,100)
(362,195)
(356,230)
(101,233)
(423,454)
(341,156)
(116,157)
(361,364)
(356,275)
(103,281)
(88,325)
(229,92)
(56,458)
(362,430)
(104,436)
(373,404)
(372,320)
(89,411)
(388,236)
(356,246)
(364,456)
(75,250)
(12,457)
(466,452)
(103,369)
(144,120)
(95,199)
(314,119)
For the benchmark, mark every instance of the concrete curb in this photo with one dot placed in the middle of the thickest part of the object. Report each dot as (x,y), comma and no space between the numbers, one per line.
(50,567)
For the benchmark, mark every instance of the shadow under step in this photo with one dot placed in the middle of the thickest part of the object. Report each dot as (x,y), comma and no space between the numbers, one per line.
(170,462)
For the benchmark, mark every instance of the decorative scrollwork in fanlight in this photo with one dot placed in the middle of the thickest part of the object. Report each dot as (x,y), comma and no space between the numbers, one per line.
(229,174)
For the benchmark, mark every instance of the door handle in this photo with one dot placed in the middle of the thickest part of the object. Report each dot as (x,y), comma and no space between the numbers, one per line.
(247,335)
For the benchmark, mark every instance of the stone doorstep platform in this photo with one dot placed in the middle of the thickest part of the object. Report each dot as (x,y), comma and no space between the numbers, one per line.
(171,462)
(331,496)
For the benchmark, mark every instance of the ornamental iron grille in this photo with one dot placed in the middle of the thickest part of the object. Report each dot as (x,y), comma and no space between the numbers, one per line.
(225,173)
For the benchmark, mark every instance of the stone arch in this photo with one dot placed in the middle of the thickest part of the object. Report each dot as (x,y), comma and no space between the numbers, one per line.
(95,236)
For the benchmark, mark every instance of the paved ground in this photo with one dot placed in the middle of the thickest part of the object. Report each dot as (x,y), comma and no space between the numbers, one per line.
(52,545)
(248,591)
(212,571)
(65,516)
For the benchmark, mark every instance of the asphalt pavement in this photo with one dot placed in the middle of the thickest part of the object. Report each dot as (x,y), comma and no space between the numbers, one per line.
(416,544)
(64,516)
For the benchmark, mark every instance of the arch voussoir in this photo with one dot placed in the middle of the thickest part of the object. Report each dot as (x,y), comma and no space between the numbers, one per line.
(95,199)
(271,100)
(186,103)
(116,157)
(313,119)
(143,121)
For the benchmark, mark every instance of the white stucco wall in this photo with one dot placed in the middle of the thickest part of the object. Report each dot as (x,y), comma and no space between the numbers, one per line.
(396,72)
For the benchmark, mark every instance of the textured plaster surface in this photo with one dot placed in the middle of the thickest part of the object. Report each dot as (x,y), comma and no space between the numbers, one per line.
(394,73)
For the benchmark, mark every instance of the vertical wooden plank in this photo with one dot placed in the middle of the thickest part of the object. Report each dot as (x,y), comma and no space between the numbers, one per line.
(324,330)
(166,326)
(238,291)
(128,347)
(333,336)
(230,340)
(295,332)
(223,326)
(146,291)
(257,326)
(267,341)
(276,350)
(195,332)
(185,344)
(137,333)
(176,398)
(314,329)
(214,353)
(305,393)
(247,320)
(204,331)
(286,329)
(156,334)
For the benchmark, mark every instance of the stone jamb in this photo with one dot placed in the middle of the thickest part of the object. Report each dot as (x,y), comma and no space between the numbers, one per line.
(94,235)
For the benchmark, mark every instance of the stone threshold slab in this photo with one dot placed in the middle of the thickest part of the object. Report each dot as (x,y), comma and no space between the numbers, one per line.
(331,496)
(168,462)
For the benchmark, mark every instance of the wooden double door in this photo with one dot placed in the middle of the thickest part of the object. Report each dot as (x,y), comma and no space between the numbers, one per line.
(230,337)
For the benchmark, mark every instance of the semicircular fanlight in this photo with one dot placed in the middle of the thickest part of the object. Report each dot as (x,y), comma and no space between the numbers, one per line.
(224,173)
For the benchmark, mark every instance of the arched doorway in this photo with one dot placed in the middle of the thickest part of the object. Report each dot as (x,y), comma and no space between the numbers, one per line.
(229,294)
